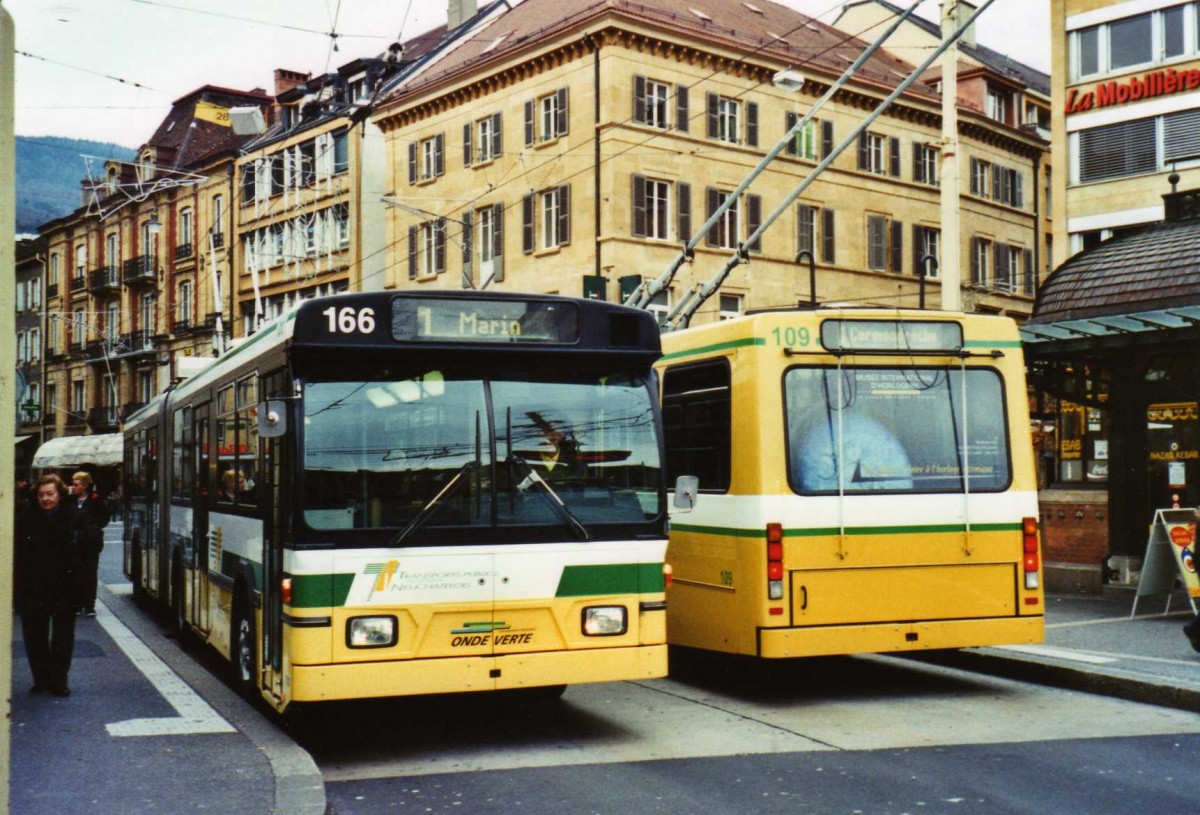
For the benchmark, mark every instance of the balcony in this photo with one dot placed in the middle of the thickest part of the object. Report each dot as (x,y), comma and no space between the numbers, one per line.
(105,281)
(137,343)
(52,290)
(141,270)
(184,251)
(78,283)
(218,240)
(182,326)
(76,418)
(130,408)
(103,418)
(99,352)
(210,320)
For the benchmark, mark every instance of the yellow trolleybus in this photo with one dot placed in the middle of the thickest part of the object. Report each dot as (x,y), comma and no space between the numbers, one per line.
(398,493)
(866,483)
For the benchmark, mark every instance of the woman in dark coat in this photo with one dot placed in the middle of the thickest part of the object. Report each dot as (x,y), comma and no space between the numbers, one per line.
(49,582)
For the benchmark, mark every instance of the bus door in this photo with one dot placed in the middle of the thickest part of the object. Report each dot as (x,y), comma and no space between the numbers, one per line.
(198,614)
(272,505)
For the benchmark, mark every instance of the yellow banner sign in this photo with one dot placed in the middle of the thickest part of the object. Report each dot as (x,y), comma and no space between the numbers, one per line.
(208,112)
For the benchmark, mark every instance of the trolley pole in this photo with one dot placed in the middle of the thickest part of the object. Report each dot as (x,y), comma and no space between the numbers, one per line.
(950,201)
(8,369)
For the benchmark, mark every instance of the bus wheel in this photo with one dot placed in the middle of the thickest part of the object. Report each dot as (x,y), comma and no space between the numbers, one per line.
(243,656)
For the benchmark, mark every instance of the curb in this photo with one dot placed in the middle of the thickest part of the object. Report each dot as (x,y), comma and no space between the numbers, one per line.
(1119,684)
(299,786)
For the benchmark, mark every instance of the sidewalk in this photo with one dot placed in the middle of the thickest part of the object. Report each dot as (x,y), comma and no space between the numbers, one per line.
(1093,645)
(147,729)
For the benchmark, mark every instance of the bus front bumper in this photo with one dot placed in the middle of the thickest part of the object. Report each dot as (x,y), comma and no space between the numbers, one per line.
(366,680)
(878,638)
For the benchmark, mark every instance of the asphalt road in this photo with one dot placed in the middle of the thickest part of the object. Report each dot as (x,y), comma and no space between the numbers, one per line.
(853,735)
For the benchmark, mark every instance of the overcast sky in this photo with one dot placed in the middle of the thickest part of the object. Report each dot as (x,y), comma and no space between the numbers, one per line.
(108,70)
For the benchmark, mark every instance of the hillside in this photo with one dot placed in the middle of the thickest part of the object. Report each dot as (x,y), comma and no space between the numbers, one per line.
(49,169)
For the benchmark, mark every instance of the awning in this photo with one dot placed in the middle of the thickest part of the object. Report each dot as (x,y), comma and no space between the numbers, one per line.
(102,450)
(1111,331)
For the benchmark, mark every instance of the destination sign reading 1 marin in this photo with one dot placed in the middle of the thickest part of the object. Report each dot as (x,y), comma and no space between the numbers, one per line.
(890,335)
(485,321)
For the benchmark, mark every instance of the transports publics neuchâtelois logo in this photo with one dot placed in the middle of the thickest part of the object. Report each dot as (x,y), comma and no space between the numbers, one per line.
(1151,84)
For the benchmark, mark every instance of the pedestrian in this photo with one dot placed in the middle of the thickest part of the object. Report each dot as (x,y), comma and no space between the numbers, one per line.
(49,581)
(91,516)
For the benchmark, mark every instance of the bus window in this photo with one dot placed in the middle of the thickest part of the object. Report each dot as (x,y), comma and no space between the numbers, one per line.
(899,430)
(696,423)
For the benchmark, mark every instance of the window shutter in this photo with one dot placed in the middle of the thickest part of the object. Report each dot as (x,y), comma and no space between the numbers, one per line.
(1029,273)
(467,144)
(974,176)
(826,138)
(527,235)
(713,102)
(681,108)
(975,259)
(713,200)
(897,247)
(529,123)
(754,220)
(918,165)
(894,155)
(790,120)
(497,242)
(639,99)
(998,183)
(412,162)
(917,266)
(828,237)
(683,195)
(804,230)
(439,245)
(564,214)
(467,249)
(412,253)
(752,124)
(1018,192)
(560,125)
(1001,265)
(864,159)
(497,135)
(639,206)
(439,154)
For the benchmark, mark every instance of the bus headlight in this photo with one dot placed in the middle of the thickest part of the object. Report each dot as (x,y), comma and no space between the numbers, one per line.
(371,632)
(605,621)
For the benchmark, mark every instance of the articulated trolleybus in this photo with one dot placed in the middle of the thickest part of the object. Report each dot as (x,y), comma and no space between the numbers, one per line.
(398,493)
(866,484)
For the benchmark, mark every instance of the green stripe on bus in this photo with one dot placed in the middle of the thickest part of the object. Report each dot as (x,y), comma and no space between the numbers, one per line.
(615,578)
(719,346)
(826,531)
(321,590)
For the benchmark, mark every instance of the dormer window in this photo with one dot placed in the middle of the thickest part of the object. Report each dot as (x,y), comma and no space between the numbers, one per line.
(146,166)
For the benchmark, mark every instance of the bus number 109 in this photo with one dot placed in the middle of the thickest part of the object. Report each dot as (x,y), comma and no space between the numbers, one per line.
(791,336)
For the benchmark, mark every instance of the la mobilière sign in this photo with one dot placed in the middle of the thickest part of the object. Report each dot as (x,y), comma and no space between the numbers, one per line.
(1154,83)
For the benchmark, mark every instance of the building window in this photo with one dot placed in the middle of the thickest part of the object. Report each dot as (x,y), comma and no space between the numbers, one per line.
(52,273)
(980,177)
(804,143)
(488,138)
(218,220)
(1130,42)
(145,386)
(981,261)
(730,307)
(78,402)
(655,103)
(1116,150)
(112,250)
(872,153)
(1142,39)
(80,261)
(426,159)
(184,238)
(999,106)
(553,208)
(184,313)
(651,208)
(546,117)
(806,230)
(724,118)
(927,243)
(724,233)
(660,306)
(925,164)
(427,249)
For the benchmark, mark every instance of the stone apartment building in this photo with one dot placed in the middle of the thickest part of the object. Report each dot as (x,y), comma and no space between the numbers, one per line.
(576,156)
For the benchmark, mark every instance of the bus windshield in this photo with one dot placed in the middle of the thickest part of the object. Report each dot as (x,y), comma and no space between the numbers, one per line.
(910,430)
(445,449)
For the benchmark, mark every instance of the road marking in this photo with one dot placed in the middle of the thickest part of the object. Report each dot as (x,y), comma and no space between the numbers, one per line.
(1058,653)
(195,715)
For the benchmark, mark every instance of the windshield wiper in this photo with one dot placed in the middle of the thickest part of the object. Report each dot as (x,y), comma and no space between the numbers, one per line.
(532,479)
(426,512)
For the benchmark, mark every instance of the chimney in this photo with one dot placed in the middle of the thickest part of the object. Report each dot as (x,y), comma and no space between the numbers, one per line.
(459,11)
(285,80)
(965,9)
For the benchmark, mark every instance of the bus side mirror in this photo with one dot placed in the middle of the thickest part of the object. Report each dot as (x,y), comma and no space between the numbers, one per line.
(686,489)
(272,418)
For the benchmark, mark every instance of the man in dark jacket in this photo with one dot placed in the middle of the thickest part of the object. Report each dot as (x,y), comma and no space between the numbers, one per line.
(48,582)
(91,517)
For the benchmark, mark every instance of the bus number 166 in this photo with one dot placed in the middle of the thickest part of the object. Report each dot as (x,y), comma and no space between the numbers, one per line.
(349,320)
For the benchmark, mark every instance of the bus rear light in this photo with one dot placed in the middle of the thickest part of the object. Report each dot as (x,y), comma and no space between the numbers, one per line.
(774,533)
(774,561)
(1031,562)
(285,591)
(774,589)
(1029,545)
(1031,580)
(774,571)
(668,575)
